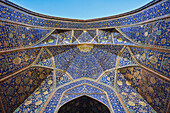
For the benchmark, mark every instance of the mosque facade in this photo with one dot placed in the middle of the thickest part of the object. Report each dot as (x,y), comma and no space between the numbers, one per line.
(116,64)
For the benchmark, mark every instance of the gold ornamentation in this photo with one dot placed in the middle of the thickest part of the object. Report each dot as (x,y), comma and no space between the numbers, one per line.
(6,43)
(137,34)
(151,90)
(32,36)
(42,76)
(149,99)
(46,92)
(44,60)
(18,80)
(23,35)
(136,73)
(153,59)
(123,93)
(50,40)
(131,103)
(126,59)
(108,78)
(152,80)
(10,35)
(50,82)
(133,93)
(119,40)
(167,20)
(105,37)
(26,57)
(85,48)
(28,102)
(17,61)
(131,70)
(2,24)
(37,92)
(38,103)
(146,34)
(143,56)
(128,83)
(40,70)
(129,76)
(29,73)
(119,83)
(163,41)
(142,103)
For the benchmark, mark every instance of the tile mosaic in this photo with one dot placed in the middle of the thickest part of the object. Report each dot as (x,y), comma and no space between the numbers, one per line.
(13,61)
(108,78)
(85,65)
(153,89)
(38,98)
(61,78)
(64,37)
(85,37)
(92,33)
(84,89)
(44,59)
(16,89)
(126,59)
(158,61)
(151,34)
(133,101)
(51,40)
(136,86)
(77,33)
(17,36)
(104,37)
(154,11)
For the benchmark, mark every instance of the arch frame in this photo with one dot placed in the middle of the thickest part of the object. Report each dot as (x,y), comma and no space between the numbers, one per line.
(109,107)
(79,82)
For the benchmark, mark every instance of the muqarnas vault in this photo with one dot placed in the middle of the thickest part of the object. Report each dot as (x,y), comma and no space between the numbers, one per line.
(116,64)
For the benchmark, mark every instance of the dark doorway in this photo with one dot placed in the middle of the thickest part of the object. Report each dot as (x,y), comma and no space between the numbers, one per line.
(84,104)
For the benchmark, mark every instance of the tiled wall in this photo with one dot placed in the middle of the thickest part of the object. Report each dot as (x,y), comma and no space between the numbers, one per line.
(153,89)
(16,89)
(11,62)
(17,36)
(152,12)
(67,61)
(158,61)
(153,34)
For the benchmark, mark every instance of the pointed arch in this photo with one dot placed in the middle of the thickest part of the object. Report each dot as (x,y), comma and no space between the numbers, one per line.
(88,97)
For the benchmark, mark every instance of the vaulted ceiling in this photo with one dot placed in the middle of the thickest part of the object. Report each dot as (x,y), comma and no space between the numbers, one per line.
(122,61)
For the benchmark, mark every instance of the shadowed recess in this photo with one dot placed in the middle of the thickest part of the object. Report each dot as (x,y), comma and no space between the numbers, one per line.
(153,89)
(16,89)
(84,104)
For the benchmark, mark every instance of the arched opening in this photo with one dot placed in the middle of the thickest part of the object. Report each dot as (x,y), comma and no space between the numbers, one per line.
(84,104)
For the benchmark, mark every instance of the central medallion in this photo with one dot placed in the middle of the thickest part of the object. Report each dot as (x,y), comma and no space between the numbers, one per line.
(85,47)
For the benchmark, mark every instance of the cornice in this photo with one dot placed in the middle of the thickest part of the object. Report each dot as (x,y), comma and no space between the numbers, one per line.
(79,20)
